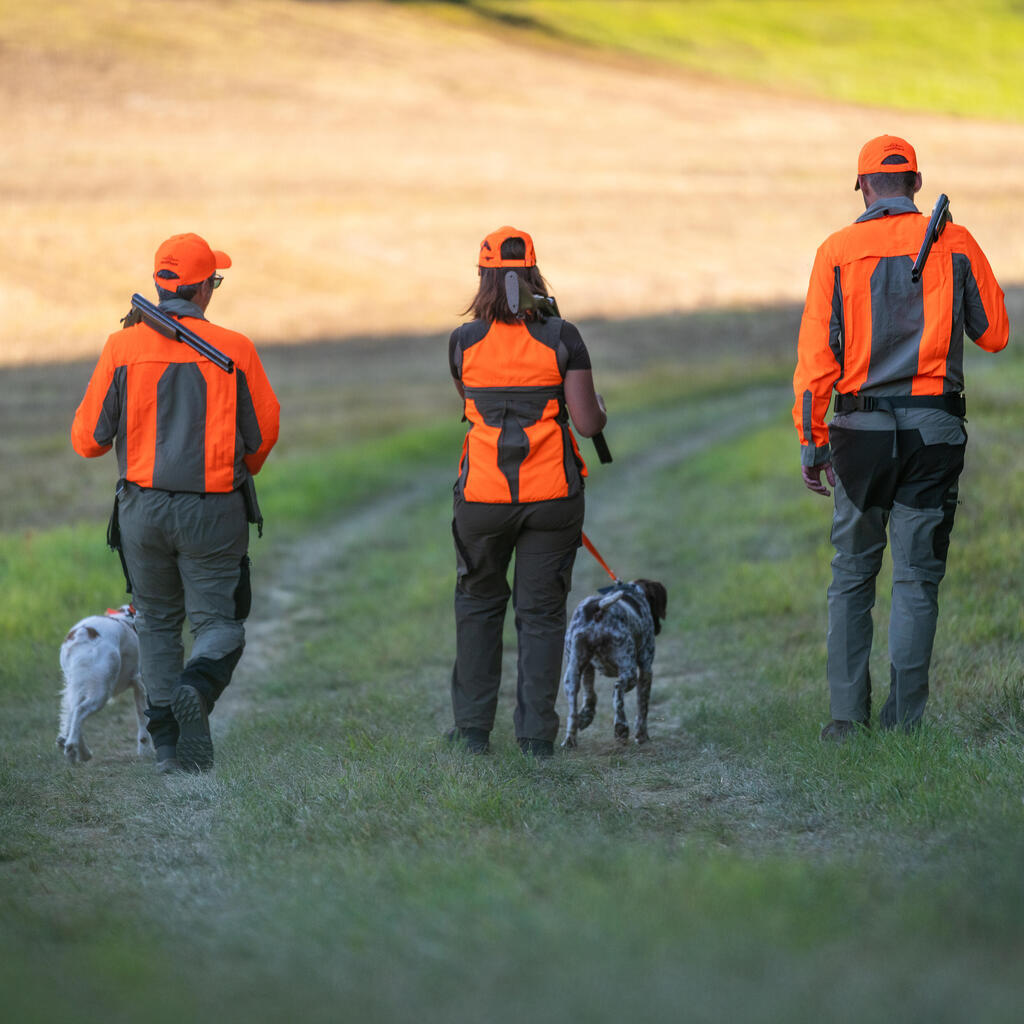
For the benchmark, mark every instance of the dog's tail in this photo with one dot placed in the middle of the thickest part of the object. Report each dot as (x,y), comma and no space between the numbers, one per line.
(80,633)
(593,611)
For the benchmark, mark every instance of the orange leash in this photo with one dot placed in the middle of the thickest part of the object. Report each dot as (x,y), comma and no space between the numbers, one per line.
(604,565)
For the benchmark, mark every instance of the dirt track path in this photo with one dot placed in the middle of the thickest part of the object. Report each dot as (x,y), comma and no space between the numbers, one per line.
(282,598)
(709,786)
(351,156)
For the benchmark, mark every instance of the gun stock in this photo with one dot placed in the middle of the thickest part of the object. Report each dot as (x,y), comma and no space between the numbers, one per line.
(163,324)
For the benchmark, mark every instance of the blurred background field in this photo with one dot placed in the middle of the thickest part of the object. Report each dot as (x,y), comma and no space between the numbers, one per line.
(350,156)
(915,55)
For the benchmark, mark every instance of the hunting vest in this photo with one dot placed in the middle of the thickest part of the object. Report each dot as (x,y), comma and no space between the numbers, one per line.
(177,421)
(869,329)
(519,447)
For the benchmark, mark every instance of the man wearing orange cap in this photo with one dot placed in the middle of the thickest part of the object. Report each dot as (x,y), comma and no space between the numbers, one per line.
(188,437)
(892,349)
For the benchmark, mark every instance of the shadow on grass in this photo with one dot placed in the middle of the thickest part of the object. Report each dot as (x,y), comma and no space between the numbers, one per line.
(337,392)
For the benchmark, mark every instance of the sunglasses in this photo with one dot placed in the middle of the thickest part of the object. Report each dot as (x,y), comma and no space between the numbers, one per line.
(217,278)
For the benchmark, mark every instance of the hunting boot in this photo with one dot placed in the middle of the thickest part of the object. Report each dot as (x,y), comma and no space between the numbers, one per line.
(167,762)
(840,730)
(476,741)
(537,748)
(195,747)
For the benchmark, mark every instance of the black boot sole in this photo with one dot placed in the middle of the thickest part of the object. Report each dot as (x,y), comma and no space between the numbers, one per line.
(195,747)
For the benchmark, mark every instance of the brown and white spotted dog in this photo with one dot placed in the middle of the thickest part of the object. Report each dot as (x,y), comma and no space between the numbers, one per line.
(100,659)
(613,630)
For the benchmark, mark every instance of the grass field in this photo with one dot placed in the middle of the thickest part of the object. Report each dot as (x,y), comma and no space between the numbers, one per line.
(917,55)
(343,863)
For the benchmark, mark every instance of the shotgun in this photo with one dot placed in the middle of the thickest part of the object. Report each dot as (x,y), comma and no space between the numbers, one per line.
(937,224)
(519,297)
(166,325)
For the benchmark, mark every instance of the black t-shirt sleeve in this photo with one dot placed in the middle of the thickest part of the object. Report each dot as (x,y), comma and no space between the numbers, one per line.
(579,357)
(452,341)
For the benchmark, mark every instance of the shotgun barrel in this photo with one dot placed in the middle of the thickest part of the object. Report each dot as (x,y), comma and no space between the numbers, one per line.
(940,217)
(601,446)
(166,325)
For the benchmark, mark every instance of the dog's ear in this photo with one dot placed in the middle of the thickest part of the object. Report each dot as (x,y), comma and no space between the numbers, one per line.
(657,598)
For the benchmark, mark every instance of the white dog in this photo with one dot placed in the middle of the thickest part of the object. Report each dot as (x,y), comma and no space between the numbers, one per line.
(100,659)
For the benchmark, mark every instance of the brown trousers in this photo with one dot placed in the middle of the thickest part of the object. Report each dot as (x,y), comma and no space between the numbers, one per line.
(544,536)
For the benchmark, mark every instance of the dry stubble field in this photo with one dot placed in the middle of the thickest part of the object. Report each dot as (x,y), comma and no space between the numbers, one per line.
(350,157)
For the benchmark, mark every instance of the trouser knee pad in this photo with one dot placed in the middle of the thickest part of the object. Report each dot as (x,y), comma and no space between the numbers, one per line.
(210,676)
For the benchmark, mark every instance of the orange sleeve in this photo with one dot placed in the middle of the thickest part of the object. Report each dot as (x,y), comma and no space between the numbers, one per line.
(818,368)
(985,321)
(266,411)
(96,419)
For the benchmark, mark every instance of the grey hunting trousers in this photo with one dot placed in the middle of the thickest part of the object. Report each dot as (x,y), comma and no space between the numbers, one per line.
(187,556)
(545,536)
(904,481)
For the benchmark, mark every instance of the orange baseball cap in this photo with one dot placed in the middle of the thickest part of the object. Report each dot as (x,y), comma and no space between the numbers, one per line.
(186,259)
(887,154)
(490,249)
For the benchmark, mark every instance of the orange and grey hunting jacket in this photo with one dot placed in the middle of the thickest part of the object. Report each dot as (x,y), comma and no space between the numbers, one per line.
(178,422)
(519,446)
(867,329)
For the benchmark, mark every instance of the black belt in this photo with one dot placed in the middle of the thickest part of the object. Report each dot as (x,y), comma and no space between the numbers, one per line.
(950,402)
(162,490)
(514,393)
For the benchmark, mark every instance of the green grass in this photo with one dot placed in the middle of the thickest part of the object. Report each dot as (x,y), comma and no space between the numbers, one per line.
(927,55)
(935,55)
(344,863)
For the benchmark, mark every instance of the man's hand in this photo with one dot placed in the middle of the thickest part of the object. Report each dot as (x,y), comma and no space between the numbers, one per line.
(812,478)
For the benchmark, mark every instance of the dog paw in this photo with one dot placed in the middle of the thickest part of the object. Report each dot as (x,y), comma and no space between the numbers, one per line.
(641,737)
(584,719)
(569,743)
(74,752)
(60,742)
